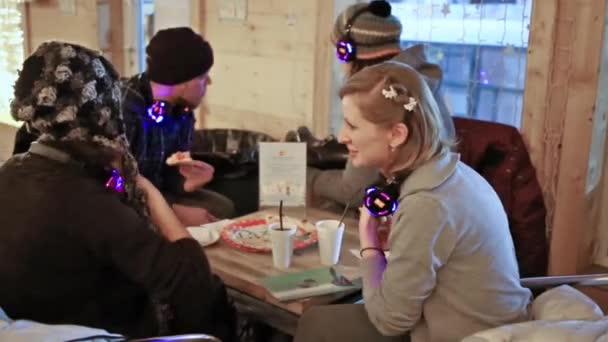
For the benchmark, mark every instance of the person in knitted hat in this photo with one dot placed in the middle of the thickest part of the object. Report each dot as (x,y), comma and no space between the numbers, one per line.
(375,34)
(372,32)
(77,215)
(158,109)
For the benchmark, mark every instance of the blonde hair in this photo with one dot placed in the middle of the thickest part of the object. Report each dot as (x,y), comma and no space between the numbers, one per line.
(357,65)
(427,133)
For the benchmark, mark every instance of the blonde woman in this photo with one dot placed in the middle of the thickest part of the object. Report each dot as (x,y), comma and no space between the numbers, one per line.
(452,268)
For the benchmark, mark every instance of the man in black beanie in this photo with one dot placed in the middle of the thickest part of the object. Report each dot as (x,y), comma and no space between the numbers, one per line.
(158,112)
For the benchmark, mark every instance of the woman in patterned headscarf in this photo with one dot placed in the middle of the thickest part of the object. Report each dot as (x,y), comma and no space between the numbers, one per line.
(75,215)
(70,97)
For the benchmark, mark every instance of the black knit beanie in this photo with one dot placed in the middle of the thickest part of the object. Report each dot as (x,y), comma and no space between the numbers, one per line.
(176,55)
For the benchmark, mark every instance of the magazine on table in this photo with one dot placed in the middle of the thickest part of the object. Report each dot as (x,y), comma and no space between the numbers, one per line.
(310,283)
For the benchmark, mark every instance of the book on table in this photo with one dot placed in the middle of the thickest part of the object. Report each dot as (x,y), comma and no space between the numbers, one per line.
(309,283)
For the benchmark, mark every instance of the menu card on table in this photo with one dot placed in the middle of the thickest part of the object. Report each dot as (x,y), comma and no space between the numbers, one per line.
(309,283)
(282,174)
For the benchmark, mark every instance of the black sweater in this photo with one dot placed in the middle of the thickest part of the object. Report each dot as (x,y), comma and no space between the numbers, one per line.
(72,253)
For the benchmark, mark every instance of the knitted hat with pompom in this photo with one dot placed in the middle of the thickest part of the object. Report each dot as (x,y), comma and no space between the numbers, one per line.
(376,32)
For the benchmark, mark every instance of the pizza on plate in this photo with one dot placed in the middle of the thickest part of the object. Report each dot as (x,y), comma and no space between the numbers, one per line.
(252,235)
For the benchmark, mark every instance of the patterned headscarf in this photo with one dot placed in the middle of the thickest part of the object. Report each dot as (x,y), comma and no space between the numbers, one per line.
(67,92)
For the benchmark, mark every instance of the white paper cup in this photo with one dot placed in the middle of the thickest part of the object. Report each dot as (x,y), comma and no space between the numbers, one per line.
(282,243)
(330,241)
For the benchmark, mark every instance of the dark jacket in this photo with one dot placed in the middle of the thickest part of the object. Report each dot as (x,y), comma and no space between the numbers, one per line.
(72,253)
(150,143)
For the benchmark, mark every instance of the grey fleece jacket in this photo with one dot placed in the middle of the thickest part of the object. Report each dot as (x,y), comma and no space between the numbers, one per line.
(452,269)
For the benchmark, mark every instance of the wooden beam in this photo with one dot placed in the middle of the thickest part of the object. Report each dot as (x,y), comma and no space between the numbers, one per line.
(199,21)
(329,76)
(323,61)
(27,28)
(195,15)
(539,68)
(558,122)
(598,165)
(202,17)
(117,39)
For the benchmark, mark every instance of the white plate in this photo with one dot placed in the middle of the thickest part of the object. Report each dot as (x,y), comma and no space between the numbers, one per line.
(204,236)
(207,234)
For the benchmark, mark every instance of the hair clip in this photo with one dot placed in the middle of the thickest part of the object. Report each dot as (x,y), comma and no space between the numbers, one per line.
(411,104)
(389,93)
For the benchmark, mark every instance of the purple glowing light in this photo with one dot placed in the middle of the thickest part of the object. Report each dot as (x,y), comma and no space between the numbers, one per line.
(116,182)
(344,50)
(156,112)
(483,76)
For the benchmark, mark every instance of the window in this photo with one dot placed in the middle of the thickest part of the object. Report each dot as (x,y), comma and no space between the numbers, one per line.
(11,54)
(146,30)
(491,1)
(481,46)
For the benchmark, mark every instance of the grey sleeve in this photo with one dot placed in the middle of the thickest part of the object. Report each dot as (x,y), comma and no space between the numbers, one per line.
(340,185)
(394,290)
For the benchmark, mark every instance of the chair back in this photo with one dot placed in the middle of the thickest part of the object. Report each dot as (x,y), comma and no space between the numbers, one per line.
(180,338)
(498,153)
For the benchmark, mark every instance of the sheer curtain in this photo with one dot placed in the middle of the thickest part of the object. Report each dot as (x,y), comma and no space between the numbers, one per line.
(11,52)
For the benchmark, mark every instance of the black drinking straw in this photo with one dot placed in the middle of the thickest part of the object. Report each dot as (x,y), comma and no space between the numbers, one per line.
(281,215)
(343,214)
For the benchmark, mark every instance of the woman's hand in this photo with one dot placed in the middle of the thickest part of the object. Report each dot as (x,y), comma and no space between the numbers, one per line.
(373,232)
(368,229)
(193,216)
(367,222)
(144,184)
(161,214)
(196,174)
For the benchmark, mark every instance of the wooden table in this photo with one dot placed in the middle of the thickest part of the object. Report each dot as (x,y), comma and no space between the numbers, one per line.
(241,271)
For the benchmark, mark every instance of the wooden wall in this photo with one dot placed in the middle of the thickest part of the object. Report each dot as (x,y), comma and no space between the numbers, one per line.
(170,13)
(264,75)
(561,125)
(45,21)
